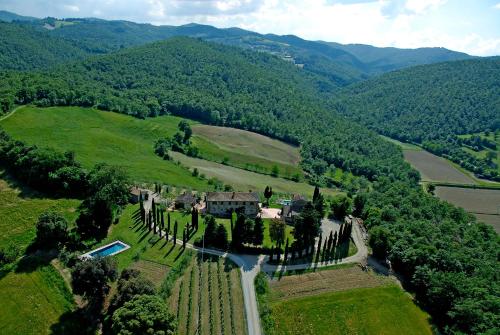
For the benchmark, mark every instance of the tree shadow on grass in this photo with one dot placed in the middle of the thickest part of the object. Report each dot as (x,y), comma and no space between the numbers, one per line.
(32,262)
(170,251)
(78,322)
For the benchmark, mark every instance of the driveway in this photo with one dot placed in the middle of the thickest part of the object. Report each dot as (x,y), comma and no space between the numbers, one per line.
(270,213)
(251,265)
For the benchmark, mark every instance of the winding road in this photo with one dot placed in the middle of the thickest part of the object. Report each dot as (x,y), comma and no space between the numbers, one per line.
(251,265)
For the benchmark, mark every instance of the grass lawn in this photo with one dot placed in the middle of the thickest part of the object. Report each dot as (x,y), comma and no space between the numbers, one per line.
(267,239)
(380,310)
(19,211)
(33,300)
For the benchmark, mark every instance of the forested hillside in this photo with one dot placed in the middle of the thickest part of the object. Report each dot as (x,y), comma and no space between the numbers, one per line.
(430,105)
(24,48)
(381,60)
(216,84)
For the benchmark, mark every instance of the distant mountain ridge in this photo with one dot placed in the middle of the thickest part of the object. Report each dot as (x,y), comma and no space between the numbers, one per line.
(339,64)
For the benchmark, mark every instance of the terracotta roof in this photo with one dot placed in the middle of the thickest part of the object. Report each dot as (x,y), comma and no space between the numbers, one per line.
(232,196)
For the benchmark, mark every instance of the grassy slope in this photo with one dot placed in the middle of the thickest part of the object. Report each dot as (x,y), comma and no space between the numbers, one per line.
(246,180)
(32,301)
(19,210)
(247,150)
(381,310)
(97,136)
(482,153)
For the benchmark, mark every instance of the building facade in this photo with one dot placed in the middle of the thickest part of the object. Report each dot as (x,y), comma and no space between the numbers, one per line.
(224,203)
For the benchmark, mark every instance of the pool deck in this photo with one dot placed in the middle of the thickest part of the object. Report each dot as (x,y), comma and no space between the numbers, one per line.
(88,255)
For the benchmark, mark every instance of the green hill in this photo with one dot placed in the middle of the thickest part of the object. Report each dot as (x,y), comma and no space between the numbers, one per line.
(219,85)
(24,48)
(431,105)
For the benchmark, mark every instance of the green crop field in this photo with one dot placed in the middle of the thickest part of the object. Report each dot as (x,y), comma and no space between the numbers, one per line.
(19,210)
(247,150)
(379,310)
(33,299)
(208,298)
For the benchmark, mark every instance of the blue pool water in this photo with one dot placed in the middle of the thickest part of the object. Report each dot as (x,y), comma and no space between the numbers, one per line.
(111,249)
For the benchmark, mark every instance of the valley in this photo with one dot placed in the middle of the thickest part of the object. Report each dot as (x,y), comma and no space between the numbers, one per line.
(159,179)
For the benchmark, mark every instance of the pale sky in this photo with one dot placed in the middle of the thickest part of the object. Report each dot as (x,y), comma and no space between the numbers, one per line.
(471,26)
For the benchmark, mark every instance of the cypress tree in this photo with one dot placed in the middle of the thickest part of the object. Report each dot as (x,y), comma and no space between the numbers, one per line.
(335,238)
(168,223)
(184,238)
(149,221)
(286,252)
(271,254)
(325,250)
(316,193)
(175,233)
(341,234)
(318,248)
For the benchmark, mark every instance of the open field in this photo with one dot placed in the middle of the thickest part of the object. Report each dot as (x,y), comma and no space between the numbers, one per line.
(379,310)
(434,168)
(319,282)
(208,298)
(246,180)
(96,136)
(33,300)
(485,203)
(19,211)
(247,150)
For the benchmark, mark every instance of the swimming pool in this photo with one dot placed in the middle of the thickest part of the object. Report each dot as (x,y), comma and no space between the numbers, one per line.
(107,250)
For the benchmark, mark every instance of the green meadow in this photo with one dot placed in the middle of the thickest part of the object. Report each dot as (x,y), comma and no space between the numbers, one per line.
(97,136)
(381,310)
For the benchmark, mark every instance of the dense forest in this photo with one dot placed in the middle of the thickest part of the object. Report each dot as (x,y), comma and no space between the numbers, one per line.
(431,105)
(219,85)
(24,48)
(339,64)
(450,261)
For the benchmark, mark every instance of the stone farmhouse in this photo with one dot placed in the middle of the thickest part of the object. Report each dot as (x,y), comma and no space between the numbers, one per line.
(185,200)
(288,212)
(224,203)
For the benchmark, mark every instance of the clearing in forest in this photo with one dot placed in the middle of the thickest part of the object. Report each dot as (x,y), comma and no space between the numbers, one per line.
(208,298)
(434,168)
(247,150)
(483,203)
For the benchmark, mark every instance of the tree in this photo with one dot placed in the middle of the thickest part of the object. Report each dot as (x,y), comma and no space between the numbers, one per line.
(144,314)
(258,231)
(108,191)
(221,240)
(277,230)
(286,252)
(268,193)
(318,248)
(340,206)
(90,277)
(275,171)
(174,238)
(241,232)
(307,228)
(194,218)
(130,284)
(51,230)
(359,204)
(316,193)
(380,241)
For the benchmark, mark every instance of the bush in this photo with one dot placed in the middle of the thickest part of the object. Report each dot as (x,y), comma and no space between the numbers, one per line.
(144,314)
(51,230)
